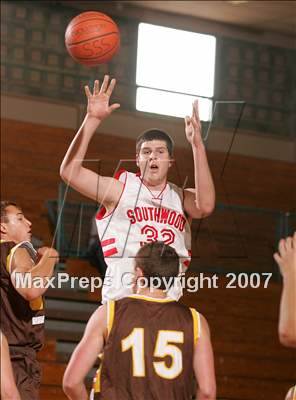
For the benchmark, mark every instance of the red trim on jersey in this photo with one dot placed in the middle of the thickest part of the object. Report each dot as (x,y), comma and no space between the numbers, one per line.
(110,252)
(100,214)
(107,241)
(102,211)
(187,262)
(118,173)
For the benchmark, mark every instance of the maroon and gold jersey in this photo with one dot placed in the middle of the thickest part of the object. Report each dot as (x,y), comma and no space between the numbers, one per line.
(22,321)
(149,351)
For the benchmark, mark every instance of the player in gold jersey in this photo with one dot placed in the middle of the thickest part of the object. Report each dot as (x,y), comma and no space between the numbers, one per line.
(152,345)
(22,312)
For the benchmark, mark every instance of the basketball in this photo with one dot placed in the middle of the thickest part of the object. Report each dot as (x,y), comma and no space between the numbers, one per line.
(92,38)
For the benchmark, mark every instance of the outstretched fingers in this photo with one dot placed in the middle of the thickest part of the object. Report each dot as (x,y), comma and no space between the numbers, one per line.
(104,84)
(96,87)
(195,124)
(187,120)
(282,247)
(114,106)
(285,248)
(87,91)
(288,243)
(277,258)
(111,87)
(105,88)
(195,110)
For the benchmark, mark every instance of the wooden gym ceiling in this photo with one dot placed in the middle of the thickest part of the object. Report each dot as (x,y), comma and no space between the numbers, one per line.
(275,16)
(258,16)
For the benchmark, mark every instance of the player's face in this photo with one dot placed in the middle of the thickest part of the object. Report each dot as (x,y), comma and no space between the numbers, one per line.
(154,161)
(16,227)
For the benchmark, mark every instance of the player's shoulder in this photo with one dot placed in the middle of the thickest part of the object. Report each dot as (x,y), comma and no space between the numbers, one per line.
(127,178)
(6,248)
(122,301)
(11,247)
(201,317)
(6,245)
(17,254)
(132,176)
(25,247)
(121,175)
(191,311)
(139,300)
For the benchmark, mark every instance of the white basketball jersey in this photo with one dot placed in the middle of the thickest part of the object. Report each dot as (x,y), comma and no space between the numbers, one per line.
(141,217)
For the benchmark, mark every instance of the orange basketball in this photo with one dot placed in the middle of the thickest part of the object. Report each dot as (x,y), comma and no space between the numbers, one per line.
(92,38)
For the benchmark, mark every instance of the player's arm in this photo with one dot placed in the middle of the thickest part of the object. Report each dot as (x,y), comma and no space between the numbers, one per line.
(203,364)
(291,394)
(104,190)
(200,201)
(286,259)
(21,265)
(8,387)
(85,355)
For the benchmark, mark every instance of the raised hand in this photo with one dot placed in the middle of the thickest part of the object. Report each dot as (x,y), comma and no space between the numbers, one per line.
(98,101)
(286,255)
(193,126)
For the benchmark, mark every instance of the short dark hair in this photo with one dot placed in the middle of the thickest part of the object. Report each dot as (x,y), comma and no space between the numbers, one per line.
(158,260)
(4,205)
(155,134)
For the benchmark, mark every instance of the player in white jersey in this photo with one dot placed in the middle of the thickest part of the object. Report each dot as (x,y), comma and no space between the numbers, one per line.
(141,217)
(139,208)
